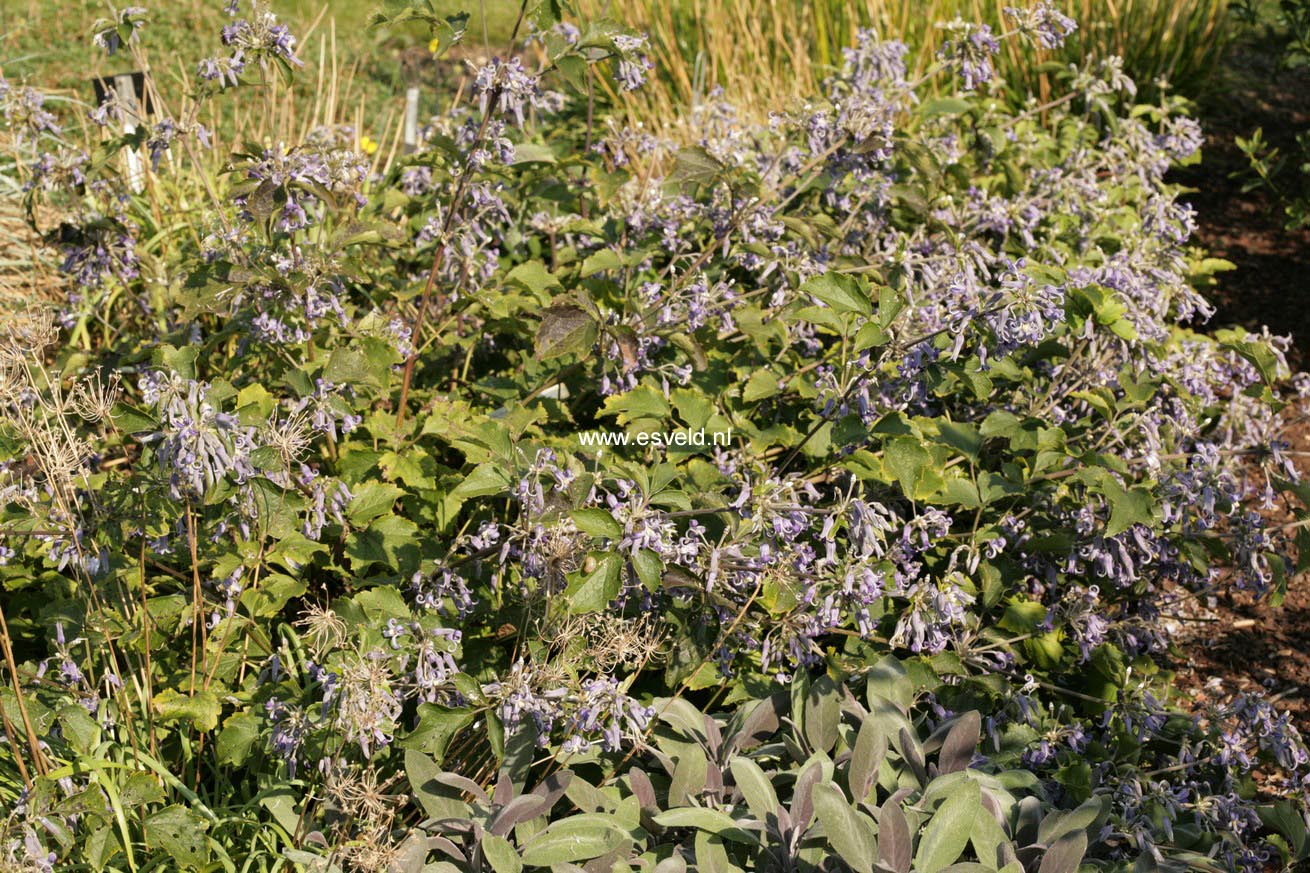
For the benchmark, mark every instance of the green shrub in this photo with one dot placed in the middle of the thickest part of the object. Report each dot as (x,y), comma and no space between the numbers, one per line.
(352,492)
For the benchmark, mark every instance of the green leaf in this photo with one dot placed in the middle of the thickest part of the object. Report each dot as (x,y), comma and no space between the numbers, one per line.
(695,165)
(596,590)
(575,71)
(822,714)
(641,402)
(500,854)
(237,738)
(141,789)
(533,153)
(349,367)
(1057,823)
(272,594)
(840,291)
(866,758)
(371,499)
(577,838)
(964,438)
(1259,354)
(849,832)
(910,462)
(181,361)
(986,836)
(599,262)
(755,787)
(486,479)
(1065,854)
(437,801)
(389,540)
(1023,616)
(565,330)
(80,730)
(383,603)
(712,856)
(597,522)
(1127,506)
(944,106)
(712,821)
(533,276)
(760,385)
(437,726)
(130,419)
(1283,817)
(888,680)
(200,708)
(948,832)
(649,568)
(181,833)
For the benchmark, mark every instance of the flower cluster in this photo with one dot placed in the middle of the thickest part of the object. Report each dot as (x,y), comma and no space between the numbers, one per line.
(199,445)
(969,48)
(24,112)
(253,40)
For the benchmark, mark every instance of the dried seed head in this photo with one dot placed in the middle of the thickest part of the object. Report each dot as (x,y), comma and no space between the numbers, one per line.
(324,631)
(92,399)
(29,332)
(561,552)
(57,452)
(372,851)
(291,437)
(360,795)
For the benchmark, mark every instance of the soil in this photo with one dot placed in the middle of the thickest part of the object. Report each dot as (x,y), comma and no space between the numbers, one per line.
(1234,642)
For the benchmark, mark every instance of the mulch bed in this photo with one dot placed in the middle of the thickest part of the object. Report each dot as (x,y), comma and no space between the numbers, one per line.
(1235,643)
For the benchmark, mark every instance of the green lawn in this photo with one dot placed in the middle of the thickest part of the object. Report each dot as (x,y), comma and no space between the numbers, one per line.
(46,43)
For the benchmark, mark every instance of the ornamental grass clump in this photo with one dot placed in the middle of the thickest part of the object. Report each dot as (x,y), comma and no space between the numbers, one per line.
(309,560)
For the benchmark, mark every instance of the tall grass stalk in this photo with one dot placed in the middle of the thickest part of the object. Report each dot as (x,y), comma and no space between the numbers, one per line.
(768,54)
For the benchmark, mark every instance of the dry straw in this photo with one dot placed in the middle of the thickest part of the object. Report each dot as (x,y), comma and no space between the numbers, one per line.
(768,55)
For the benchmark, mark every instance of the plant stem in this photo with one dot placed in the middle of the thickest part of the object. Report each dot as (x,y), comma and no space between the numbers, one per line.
(456,201)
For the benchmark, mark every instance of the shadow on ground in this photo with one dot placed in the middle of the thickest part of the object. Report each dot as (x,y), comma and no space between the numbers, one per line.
(1239,644)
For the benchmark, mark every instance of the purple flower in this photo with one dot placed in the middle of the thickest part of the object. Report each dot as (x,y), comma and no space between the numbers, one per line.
(970,48)
(1043,23)
(508,85)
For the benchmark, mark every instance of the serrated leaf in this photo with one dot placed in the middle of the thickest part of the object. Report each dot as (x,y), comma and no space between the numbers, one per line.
(181,833)
(695,165)
(200,708)
(371,500)
(534,277)
(649,568)
(597,522)
(944,106)
(760,385)
(841,292)
(565,330)
(1128,506)
(486,479)
(597,589)
(237,738)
